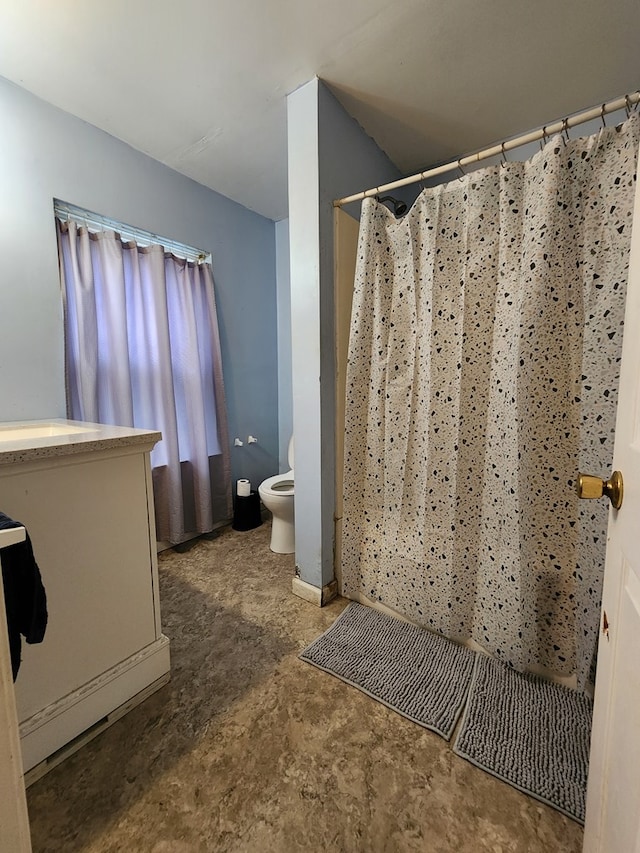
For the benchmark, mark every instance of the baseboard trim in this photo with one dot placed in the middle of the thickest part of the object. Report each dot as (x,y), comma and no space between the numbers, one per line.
(314,594)
(65,725)
(93,731)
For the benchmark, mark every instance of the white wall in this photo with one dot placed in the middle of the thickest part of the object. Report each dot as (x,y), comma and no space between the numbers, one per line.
(329,156)
(46,153)
(285,396)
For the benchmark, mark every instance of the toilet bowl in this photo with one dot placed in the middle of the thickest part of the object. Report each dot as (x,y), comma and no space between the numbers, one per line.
(276,493)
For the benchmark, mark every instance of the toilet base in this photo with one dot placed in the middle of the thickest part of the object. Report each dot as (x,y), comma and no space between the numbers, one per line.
(282,536)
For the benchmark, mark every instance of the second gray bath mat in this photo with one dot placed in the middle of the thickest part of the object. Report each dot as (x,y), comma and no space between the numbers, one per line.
(529,732)
(419,674)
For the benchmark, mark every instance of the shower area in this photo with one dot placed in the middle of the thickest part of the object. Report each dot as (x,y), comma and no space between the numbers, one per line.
(480,375)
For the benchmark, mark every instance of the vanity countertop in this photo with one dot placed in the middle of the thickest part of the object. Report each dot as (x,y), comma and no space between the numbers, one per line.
(25,441)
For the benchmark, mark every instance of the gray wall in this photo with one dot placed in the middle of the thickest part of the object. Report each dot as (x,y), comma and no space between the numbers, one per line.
(329,156)
(47,153)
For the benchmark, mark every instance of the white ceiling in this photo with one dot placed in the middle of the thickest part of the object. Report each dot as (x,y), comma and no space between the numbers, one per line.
(201,85)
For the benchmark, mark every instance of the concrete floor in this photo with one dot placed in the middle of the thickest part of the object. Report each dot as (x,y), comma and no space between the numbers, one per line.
(250,749)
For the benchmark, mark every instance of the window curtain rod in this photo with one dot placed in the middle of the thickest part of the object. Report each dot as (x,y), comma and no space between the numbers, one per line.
(96,222)
(623,103)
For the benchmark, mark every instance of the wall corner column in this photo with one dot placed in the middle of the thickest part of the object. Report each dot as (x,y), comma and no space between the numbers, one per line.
(313,511)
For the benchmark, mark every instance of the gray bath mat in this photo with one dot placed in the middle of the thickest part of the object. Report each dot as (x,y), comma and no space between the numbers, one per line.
(530,733)
(417,673)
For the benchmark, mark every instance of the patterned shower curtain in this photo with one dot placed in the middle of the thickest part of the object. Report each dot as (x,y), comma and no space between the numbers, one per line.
(482,375)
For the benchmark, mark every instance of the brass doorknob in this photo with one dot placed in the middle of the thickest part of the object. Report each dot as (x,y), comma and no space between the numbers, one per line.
(593,487)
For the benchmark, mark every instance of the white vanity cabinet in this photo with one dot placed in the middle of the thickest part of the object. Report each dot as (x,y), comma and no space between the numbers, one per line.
(86,500)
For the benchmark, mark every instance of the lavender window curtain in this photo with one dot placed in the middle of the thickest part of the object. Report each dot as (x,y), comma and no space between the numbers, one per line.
(142,350)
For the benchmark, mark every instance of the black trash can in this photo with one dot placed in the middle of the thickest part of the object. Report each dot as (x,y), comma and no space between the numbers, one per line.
(246,512)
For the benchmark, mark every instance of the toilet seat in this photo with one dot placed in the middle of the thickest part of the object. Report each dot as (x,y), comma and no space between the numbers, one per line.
(281,485)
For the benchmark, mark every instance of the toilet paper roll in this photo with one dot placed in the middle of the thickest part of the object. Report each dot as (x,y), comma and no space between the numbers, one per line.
(243,488)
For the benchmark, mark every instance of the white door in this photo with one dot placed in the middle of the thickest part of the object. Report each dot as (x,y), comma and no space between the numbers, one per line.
(613,794)
(14,822)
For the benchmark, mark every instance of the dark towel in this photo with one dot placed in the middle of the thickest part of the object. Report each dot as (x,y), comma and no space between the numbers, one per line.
(25,598)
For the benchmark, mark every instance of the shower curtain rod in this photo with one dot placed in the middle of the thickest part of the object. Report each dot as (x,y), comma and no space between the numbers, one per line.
(625,102)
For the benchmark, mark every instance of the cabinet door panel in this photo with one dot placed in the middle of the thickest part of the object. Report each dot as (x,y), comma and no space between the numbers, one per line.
(89,526)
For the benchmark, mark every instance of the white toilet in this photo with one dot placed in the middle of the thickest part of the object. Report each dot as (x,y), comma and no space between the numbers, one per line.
(276,493)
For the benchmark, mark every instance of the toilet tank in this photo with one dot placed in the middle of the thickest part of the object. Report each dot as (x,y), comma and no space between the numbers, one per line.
(290,453)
